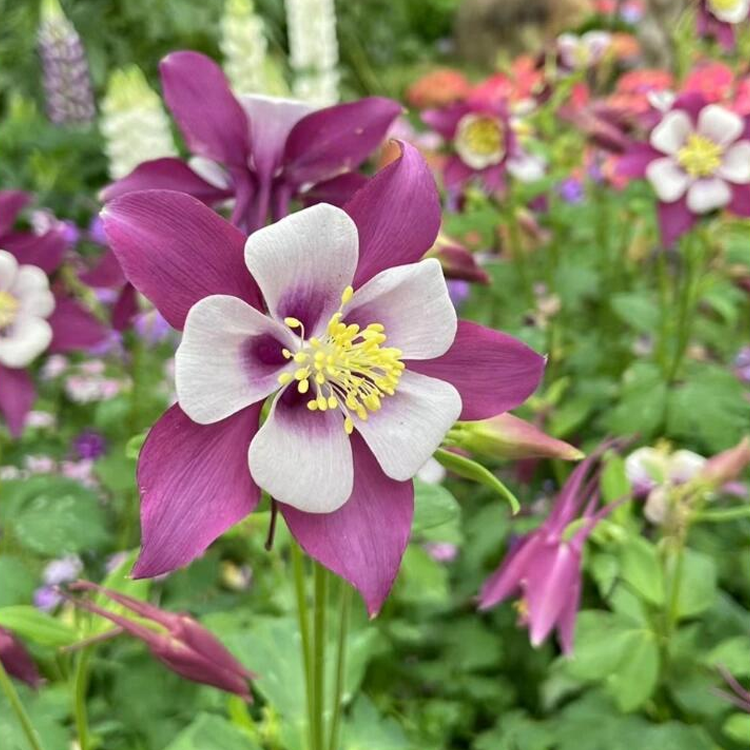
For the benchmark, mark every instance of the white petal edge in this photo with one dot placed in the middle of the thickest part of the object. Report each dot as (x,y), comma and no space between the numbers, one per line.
(733,15)
(24,341)
(736,164)
(8,270)
(720,125)
(413,304)
(215,374)
(705,196)
(670,134)
(309,256)
(411,424)
(669,180)
(303,458)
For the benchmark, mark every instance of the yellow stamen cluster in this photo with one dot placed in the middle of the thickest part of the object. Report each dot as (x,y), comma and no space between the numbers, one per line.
(8,309)
(348,368)
(483,136)
(724,5)
(700,156)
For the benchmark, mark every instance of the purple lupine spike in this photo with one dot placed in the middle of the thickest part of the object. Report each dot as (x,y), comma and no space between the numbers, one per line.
(67,83)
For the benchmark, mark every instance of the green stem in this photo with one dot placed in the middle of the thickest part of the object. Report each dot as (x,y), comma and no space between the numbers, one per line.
(343,638)
(319,656)
(81,683)
(723,514)
(304,629)
(674,600)
(18,709)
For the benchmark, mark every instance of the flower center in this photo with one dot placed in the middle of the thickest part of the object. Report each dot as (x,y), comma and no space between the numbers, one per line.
(347,368)
(700,156)
(724,5)
(8,309)
(480,140)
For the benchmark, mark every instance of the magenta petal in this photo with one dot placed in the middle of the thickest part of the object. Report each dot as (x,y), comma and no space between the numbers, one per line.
(177,251)
(74,327)
(675,219)
(492,371)
(509,577)
(12,202)
(166,174)
(635,160)
(397,214)
(336,191)
(456,174)
(364,541)
(195,484)
(445,121)
(740,205)
(17,396)
(106,274)
(125,309)
(45,251)
(337,139)
(210,117)
(566,624)
(16,660)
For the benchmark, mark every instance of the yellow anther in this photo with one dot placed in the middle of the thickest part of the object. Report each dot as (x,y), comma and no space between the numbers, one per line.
(9,306)
(300,357)
(293,322)
(304,386)
(302,373)
(347,295)
(332,403)
(700,156)
(287,354)
(285,378)
(322,403)
(348,426)
(312,405)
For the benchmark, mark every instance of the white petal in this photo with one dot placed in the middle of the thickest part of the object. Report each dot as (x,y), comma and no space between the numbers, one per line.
(411,424)
(230,357)
(527,167)
(413,304)
(212,172)
(8,269)
(304,262)
(707,195)
(670,134)
(669,180)
(720,125)
(684,465)
(303,458)
(736,164)
(645,468)
(25,340)
(31,288)
(737,14)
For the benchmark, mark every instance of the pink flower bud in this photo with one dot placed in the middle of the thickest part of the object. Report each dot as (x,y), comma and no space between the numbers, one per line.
(16,660)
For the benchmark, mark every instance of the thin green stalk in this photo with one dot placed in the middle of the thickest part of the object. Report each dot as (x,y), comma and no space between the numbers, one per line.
(18,709)
(303,616)
(319,656)
(80,688)
(723,514)
(345,604)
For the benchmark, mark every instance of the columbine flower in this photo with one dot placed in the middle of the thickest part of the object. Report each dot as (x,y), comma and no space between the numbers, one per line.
(176,640)
(742,364)
(583,52)
(485,143)
(698,161)
(355,339)
(16,660)
(261,151)
(718,19)
(544,567)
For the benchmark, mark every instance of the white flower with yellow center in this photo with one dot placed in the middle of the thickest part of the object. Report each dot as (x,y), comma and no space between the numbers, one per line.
(729,11)
(480,140)
(25,304)
(701,160)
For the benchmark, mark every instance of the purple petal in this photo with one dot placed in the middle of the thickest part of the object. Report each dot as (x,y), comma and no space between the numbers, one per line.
(166,174)
(508,578)
(336,191)
(12,202)
(740,205)
(106,274)
(16,660)
(210,117)
(445,121)
(456,174)
(177,251)
(492,371)
(17,396)
(566,624)
(337,139)
(397,214)
(364,541)
(125,309)
(45,251)
(73,327)
(634,161)
(675,219)
(195,484)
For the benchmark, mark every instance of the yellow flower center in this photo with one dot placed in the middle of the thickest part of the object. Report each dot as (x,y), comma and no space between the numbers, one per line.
(347,368)
(8,309)
(482,136)
(724,5)
(700,156)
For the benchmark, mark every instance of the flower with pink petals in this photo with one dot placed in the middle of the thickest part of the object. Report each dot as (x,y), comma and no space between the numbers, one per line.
(259,151)
(335,317)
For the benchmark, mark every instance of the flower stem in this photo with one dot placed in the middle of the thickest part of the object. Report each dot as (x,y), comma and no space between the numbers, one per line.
(319,656)
(304,629)
(345,604)
(723,514)
(81,683)
(18,709)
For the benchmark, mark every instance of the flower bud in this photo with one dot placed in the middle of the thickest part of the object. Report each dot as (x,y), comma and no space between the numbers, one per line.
(727,466)
(16,660)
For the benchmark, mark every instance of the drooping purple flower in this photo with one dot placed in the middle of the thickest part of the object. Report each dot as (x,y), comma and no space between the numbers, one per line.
(543,569)
(176,640)
(259,151)
(329,287)
(16,660)
(90,444)
(67,83)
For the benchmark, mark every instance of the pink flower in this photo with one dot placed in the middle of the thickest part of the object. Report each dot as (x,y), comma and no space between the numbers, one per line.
(333,314)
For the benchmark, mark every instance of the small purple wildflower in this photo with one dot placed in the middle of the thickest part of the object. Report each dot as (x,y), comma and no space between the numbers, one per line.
(742,364)
(459,291)
(46,598)
(62,570)
(89,444)
(571,190)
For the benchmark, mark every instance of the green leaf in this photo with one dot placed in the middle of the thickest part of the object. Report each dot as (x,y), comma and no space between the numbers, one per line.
(18,583)
(614,483)
(600,646)
(642,404)
(212,731)
(422,580)
(469,469)
(737,726)
(637,674)
(433,506)
(698,585)
(637,310)
(366,730)
(642,570)
(734,654)
(31,624)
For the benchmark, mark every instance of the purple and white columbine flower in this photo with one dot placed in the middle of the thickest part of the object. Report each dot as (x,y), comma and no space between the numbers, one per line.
(335,317)
(719,18)
(261,152)
(583,52)
(698,161)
